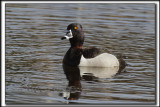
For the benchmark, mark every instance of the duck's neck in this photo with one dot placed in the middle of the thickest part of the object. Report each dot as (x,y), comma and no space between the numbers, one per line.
(76,44)
(77,41)
(76,47)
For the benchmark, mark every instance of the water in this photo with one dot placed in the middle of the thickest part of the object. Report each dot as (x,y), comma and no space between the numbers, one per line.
(34,53)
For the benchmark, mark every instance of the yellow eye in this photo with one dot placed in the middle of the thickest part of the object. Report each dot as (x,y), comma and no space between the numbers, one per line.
(75,27)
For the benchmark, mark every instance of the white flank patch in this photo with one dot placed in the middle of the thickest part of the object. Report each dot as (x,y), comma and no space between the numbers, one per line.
(102,60)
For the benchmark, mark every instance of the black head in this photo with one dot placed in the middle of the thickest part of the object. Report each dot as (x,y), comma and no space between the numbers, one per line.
(75,27)
(74,34)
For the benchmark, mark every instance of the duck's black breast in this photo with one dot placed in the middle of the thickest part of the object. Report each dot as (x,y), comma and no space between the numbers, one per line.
(72,57)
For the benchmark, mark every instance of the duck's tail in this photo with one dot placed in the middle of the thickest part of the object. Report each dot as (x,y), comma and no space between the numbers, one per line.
(121,58)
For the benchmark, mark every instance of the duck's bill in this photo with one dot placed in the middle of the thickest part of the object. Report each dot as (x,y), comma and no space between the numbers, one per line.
(68,35)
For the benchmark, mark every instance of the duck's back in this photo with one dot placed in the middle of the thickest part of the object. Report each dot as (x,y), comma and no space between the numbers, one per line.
(93,52)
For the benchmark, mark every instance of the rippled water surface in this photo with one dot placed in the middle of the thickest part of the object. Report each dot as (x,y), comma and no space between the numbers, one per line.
(34,53)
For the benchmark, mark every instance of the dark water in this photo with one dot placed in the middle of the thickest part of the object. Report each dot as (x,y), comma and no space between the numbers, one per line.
(34,53)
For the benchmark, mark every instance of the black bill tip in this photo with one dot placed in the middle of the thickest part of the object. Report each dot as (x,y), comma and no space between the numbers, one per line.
(63,38)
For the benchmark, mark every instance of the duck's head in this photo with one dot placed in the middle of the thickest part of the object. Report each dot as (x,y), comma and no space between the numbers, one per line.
(75,35)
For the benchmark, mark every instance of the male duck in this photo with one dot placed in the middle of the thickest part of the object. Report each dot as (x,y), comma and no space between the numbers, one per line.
(93,57)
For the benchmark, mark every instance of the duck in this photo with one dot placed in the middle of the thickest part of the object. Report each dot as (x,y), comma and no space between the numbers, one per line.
(88,57)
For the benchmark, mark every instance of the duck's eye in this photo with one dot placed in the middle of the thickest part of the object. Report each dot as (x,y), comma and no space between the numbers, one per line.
(75,27)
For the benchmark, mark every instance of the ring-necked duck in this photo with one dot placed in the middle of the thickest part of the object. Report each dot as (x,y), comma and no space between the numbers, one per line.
(93,57)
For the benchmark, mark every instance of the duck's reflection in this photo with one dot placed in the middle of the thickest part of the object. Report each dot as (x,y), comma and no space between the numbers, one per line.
(74,88)
(75,74)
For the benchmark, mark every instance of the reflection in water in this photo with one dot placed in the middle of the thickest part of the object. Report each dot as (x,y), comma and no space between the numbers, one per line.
(75,74)
(73,90)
